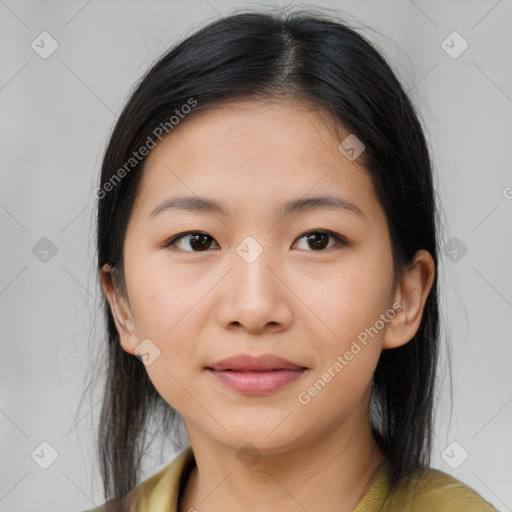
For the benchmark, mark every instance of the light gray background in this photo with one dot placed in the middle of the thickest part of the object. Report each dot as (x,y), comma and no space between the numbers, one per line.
(56,117)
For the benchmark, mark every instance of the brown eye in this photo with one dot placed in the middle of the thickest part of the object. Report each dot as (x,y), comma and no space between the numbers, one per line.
(196,240)
(318,240)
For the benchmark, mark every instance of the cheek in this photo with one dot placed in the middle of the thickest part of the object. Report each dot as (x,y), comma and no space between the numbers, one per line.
(160,299)
(349,348)
(348,302)
(158,310)
(167,316)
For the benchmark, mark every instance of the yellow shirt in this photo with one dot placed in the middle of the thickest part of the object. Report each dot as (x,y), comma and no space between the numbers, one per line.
(434,492)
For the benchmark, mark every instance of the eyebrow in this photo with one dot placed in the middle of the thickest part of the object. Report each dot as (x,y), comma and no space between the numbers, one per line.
(198,204)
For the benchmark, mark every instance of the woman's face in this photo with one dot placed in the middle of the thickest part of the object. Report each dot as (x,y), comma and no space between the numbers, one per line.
(262,280)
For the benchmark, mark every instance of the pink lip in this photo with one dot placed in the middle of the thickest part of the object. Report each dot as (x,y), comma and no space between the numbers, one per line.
(256,382)
(247,362)
(251,375)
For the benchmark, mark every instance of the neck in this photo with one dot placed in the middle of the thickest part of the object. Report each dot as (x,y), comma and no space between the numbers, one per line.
(331,474)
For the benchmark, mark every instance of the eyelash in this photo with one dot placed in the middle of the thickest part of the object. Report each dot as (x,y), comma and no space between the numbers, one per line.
(339,239)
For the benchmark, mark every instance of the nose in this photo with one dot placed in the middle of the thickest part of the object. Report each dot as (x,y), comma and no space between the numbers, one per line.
(255,296)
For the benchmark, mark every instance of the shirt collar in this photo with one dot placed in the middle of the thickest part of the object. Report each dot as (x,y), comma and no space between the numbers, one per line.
(160,492)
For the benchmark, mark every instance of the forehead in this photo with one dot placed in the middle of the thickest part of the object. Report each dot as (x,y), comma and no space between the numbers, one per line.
(251,151)
(253,128)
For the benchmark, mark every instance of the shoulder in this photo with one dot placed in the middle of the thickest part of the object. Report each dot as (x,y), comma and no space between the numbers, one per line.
(156,492)
(436,490)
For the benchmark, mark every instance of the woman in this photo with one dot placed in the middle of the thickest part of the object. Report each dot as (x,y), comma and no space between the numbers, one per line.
(267,249)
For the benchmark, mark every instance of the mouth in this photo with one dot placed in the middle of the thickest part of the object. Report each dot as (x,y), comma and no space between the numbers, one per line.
(256,382)
(251,375)
(247,362)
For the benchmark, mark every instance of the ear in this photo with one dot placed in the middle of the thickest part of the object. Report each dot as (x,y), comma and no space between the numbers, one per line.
(411,294)
(120,309)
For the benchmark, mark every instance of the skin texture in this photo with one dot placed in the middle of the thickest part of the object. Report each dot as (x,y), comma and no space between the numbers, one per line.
(302,303)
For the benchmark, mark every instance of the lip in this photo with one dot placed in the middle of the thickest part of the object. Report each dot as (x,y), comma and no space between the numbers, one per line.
(250,375)
(246,362)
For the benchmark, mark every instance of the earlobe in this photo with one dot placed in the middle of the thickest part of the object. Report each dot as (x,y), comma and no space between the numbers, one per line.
(412,293)
(120,310)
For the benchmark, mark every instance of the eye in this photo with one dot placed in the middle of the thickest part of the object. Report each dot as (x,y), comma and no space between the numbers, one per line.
(318,239)
(200,242)
(195,239)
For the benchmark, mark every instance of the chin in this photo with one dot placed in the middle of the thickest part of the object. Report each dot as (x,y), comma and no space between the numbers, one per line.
(268,437)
